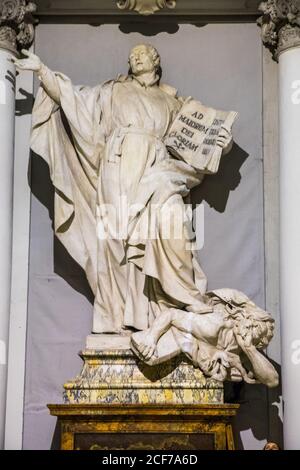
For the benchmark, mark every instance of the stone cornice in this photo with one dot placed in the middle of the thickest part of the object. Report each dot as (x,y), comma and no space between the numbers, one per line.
(16,24)
(85,11)
(280,25)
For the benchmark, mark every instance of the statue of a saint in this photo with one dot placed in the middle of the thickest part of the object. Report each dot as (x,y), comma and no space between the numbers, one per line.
(103,144)
(109,166)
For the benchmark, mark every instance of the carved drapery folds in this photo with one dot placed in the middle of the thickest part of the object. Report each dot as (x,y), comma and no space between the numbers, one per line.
(146,7)
(16,24)
(280,24)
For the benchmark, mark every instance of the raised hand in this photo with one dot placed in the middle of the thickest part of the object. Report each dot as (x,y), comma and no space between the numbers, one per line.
(32,62)
(244,333)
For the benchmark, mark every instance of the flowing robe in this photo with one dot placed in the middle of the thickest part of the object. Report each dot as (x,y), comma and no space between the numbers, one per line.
(104,146)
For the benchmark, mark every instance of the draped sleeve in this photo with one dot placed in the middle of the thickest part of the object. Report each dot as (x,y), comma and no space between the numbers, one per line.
(69,127)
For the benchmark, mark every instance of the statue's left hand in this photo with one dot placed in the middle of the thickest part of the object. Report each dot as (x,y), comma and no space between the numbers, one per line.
(225,140)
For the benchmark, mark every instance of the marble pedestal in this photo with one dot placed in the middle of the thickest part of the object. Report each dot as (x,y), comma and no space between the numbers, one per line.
(112,374)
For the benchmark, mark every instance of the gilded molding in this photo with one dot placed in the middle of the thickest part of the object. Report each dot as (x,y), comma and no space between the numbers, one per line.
(280,25)
(149,426)
(16,24)
(145,7)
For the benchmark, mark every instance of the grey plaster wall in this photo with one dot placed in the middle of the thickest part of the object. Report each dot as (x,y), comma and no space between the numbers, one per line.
(219,65)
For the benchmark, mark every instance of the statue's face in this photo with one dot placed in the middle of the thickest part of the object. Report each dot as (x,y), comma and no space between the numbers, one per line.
(141,60)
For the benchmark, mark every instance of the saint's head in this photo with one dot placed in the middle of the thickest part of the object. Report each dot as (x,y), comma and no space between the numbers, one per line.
(143,59)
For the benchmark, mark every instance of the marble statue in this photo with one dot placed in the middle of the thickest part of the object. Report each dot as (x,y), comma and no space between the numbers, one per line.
(109,167)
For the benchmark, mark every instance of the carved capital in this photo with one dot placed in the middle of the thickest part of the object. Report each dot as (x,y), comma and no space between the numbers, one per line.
(145,7)
(280,25)
(16,24)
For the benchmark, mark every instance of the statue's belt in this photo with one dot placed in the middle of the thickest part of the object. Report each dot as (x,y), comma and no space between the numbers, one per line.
(115,141)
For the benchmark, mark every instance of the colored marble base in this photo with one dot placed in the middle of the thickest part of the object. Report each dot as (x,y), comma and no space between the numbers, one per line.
(117,376)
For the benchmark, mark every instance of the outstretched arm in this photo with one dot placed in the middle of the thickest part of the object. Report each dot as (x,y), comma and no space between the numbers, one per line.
(33,63)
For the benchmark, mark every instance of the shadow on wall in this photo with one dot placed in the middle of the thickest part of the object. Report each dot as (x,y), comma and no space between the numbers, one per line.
(259,410)
(149,29)
(145,29)
(56,439)
(24,105)
(152,29)
(215,189)
(11,79)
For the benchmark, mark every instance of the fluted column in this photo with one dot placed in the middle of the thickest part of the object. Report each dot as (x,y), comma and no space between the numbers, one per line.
(16,32)
(281,34)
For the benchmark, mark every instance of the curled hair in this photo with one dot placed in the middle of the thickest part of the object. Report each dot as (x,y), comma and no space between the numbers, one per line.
(235,311)
(259,319)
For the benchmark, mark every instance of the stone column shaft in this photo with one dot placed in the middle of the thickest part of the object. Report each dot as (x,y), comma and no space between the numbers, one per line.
(281,34)
(289,73)
(7,111)
(16,32)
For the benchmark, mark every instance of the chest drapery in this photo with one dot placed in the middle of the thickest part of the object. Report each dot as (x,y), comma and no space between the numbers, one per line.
(139,119)
(119,119)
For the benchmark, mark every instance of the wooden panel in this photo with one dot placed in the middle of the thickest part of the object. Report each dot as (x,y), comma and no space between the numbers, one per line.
(67,440)
(132,427)
(150,441)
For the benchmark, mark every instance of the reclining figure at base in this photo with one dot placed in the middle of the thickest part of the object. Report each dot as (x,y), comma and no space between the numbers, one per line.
(224,344)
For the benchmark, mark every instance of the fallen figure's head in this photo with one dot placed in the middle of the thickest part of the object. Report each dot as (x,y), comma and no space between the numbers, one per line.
(225,343)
